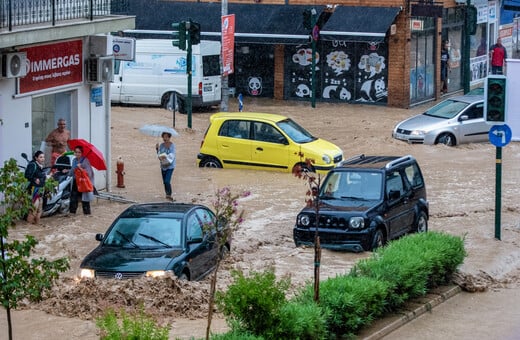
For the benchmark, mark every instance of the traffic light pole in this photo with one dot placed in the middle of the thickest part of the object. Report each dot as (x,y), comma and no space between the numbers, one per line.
(188,72)
(498,191)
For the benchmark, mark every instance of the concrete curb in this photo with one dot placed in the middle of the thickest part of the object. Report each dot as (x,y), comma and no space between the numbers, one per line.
(413,314)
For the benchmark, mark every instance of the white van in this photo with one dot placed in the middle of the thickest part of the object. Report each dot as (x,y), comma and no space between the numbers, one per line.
(159,71)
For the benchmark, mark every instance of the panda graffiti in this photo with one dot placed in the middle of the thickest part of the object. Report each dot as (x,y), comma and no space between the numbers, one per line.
(336,92)
(254,86)
(303,91)
(373,90)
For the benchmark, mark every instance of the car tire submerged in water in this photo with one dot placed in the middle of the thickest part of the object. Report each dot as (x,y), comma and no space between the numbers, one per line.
(446,139)
(210,162)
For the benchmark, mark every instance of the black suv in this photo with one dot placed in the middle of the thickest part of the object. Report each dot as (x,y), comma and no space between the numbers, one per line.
(364,202)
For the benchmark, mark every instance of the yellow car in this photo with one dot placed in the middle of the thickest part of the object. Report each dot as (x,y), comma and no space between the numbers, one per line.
(263,141)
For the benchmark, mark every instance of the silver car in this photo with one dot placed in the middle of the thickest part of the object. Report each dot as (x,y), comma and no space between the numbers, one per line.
(453,121)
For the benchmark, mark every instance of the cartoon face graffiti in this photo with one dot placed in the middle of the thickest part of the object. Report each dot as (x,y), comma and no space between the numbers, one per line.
(254,86)
(338,61)
(372,63)
(303,56)
(303,91)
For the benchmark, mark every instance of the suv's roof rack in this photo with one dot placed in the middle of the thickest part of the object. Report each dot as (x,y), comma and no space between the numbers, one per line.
(399,160)
(352,159)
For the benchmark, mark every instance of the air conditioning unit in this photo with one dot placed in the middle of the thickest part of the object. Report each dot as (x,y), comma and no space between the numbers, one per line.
(100,69)
(14,65)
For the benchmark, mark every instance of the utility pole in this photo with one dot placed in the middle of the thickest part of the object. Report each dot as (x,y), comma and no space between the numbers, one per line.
(225,79)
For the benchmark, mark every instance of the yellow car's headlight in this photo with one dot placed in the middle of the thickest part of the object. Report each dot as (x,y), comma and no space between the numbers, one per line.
(326,159)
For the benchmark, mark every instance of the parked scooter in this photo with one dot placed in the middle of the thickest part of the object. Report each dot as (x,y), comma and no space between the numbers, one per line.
(59,201)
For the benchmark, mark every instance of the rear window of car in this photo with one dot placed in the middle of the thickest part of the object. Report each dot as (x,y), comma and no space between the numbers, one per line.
(235,129)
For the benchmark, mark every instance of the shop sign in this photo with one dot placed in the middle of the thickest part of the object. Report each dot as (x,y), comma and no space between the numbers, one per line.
(482,14)
(53,65)
(416,25)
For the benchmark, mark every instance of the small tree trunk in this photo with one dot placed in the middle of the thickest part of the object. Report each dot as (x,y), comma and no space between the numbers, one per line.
(212,289)
(9,325)
(317,260)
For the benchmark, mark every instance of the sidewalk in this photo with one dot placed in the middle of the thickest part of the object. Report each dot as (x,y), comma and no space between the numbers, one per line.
(454,314)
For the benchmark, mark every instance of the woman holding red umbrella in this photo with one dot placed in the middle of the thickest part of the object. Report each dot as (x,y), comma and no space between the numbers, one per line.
(83,164)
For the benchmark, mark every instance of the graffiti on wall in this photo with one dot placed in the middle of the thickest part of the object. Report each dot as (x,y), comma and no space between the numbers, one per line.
(373,84)
(345,71)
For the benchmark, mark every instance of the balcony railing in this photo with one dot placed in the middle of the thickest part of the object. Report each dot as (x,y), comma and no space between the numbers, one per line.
(28,12)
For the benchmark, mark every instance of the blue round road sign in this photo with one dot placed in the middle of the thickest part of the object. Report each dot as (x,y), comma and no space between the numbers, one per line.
(500,135)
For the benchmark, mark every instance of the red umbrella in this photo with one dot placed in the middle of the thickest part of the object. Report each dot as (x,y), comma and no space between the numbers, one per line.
(94,156)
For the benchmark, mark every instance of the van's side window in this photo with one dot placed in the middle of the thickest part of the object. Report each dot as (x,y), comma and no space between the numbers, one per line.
(117,66)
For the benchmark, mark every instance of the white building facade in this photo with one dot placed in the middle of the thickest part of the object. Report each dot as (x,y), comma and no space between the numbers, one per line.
(57,69)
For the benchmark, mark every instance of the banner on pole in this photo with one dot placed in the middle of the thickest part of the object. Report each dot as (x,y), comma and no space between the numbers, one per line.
(228,44)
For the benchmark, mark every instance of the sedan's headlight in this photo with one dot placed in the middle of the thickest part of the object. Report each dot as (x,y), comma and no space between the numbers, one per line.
(304,220)
(356,222)
(155,273)
(326,159)
(87,273)
(418,133)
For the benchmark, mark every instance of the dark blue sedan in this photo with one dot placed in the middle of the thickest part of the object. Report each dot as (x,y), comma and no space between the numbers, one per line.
(153,239)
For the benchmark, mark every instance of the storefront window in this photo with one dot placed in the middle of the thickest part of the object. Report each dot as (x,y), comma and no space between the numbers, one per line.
(452,28)
(478,54)
(422,62)
(46,110)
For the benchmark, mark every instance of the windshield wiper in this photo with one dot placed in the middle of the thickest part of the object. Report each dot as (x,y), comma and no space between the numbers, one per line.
(127,239)
(154,239)
(355,198)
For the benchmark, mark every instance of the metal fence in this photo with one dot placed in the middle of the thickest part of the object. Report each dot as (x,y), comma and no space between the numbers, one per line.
(28,12)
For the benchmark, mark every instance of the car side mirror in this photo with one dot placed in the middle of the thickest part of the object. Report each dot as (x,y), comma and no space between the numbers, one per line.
(394,194)
(195,240)
(463,118)
(99,237)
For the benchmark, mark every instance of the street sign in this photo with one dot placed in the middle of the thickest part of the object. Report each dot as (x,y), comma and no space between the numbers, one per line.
(500,135)
(315,33)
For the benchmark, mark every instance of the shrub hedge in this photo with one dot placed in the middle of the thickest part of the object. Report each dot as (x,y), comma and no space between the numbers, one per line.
(256,306)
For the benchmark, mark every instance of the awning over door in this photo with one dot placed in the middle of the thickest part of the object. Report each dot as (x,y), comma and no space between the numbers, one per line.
(359,23)
(275,24)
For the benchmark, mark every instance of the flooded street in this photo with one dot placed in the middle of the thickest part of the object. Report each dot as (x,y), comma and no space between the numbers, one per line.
(460,185)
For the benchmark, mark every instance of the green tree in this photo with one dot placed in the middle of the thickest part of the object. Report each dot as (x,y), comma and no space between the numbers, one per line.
(306,172)
(228,219)
(21,275)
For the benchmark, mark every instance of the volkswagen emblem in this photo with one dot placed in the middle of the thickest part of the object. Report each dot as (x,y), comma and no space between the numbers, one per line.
(118,276)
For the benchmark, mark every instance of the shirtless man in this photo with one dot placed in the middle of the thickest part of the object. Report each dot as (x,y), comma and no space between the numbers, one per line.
(57,139)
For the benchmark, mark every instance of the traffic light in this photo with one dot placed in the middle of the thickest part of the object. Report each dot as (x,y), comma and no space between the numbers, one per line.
(471,20)
(307,19)
(179,35)
(195,33)
(495,103)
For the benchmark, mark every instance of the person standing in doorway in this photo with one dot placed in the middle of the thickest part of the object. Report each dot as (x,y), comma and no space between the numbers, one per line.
(57,139)
(85,197)
(445,67)
(166,155)
(36,175)
(498,55)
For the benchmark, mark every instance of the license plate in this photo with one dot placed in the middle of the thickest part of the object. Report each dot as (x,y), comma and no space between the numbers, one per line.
(208,88)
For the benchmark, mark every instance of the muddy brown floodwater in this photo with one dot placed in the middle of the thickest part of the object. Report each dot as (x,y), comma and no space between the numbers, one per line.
(460,183)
